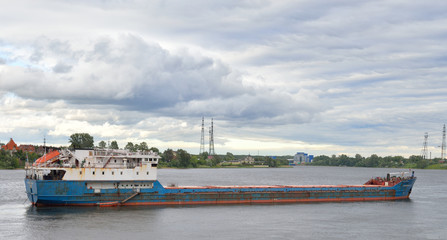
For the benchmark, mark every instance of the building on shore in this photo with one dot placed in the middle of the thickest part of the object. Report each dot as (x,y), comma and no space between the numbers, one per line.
(301,158)
(246,160)
(12,146)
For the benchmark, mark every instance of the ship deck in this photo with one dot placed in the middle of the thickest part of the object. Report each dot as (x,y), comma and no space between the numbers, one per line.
(270,186)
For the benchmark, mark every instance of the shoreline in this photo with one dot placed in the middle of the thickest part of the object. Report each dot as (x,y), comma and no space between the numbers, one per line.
(430,167)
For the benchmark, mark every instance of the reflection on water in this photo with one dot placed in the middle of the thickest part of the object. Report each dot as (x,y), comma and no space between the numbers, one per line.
(421,217)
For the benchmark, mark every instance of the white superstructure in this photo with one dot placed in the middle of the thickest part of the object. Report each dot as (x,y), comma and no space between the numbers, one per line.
(96,165)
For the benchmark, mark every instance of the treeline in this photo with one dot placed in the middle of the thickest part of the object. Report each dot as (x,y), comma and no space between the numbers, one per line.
(16,159)
(272,162)
(182,159)
(375,161)
(85,140)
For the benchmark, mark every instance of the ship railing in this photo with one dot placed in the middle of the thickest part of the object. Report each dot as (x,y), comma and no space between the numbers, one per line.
(403,174)
(122,153)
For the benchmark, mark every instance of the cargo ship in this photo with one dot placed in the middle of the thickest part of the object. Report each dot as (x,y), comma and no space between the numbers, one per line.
(106,177)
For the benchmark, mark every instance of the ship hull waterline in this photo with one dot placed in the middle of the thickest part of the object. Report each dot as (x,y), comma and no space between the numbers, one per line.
(76,193)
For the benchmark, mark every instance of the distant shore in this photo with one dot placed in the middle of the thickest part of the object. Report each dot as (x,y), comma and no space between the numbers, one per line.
(441,166)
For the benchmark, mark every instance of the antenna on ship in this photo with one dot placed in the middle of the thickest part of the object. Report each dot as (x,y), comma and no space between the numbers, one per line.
(202,138)
(443,144)
(424,147)
(212,153)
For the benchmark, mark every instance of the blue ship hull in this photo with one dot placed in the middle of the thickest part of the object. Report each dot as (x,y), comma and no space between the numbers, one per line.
(61,192)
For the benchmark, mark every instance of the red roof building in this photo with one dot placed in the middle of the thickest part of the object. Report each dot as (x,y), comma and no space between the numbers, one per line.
(11,145)
(26,148)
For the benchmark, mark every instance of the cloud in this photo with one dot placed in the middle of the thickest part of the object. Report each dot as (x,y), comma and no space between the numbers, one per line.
(346,76)
(61,68)
(129,73)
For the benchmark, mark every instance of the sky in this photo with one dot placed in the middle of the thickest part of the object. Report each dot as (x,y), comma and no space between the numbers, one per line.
(277,77)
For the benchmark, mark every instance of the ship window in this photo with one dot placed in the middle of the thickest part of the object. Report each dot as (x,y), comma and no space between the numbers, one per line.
(102,172)
(93,172)
(147,173)
(137,173)
(115,160)
(121,173)
(80,172)
(113,173)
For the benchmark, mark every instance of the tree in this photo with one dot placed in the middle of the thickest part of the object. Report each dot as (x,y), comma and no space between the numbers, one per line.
(184,158)
(13,160)
(322,160)
(154,149)
(81,140)
(130,147)
(114,145)
(271,162)
(204,156)
(102,144)
(194,161)
(372,161)
(229,156)
(143,146)
(168,155)
(214,161)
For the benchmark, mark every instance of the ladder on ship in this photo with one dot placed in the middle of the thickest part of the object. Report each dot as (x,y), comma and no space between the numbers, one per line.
(130,197)
(107,162)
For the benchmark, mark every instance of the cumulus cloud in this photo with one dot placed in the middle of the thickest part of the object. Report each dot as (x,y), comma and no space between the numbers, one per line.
(345,75)
(129,72)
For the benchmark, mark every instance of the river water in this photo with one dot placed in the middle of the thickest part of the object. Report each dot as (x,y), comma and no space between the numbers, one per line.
(424,216)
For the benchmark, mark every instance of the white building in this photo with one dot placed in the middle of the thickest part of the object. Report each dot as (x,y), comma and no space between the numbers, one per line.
(301,157)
